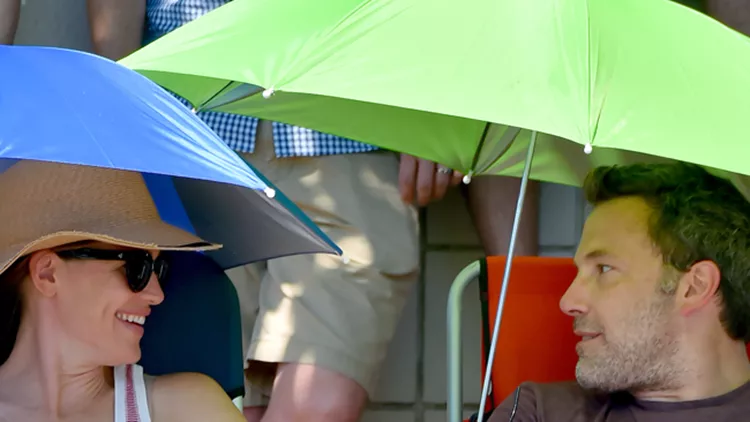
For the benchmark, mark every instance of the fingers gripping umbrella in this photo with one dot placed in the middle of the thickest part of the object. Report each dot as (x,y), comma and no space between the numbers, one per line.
(541,89)
(75,108)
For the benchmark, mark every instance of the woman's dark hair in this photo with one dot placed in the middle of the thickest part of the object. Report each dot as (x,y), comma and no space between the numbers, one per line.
(10,306)
(11,299)
(696,217)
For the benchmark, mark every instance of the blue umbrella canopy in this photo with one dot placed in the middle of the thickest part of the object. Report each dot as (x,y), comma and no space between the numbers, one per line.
(77,108)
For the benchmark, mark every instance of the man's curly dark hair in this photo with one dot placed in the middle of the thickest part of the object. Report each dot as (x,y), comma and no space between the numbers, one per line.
(696,217)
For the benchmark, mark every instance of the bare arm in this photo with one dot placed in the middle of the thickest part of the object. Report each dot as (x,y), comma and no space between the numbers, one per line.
(116,26)
(9,11)
(191,397)
(733,13)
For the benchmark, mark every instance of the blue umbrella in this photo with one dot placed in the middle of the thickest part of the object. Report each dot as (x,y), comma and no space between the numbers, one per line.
(72,107)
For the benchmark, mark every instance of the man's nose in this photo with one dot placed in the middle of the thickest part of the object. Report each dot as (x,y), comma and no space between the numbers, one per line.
(575,300)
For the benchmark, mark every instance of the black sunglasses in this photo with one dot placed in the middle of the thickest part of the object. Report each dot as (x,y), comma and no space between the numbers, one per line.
(139,264)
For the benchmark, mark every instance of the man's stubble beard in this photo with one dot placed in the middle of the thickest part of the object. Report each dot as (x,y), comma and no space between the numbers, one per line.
(641,359)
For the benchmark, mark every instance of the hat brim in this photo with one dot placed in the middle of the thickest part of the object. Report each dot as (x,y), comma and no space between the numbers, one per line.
(149,235)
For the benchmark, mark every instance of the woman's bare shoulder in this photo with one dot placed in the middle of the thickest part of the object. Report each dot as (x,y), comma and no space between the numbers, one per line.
(187,397)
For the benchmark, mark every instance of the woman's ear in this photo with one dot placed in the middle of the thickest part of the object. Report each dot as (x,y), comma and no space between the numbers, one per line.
(44,268)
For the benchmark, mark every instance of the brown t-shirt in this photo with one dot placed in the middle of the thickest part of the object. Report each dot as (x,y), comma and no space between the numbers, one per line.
(568,402)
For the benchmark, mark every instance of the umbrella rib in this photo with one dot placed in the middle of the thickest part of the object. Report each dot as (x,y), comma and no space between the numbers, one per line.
(508,138)
(588,69)
(216,94)
(475,160)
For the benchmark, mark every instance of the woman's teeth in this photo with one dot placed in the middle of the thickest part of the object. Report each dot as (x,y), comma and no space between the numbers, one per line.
(135,319)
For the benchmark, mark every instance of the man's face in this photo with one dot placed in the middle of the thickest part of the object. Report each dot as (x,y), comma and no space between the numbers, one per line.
(621,311)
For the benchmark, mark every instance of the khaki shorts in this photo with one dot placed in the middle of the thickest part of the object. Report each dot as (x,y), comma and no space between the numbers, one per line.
(316,309)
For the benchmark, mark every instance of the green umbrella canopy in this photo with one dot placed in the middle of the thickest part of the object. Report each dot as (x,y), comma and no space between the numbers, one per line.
(627,80)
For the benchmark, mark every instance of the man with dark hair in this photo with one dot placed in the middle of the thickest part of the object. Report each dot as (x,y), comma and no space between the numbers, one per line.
(661,301)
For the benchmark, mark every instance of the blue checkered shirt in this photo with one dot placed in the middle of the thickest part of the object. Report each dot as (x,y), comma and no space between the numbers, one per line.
(163,16)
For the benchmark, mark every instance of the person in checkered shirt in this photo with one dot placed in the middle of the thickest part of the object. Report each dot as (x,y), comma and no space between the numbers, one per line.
(317,329)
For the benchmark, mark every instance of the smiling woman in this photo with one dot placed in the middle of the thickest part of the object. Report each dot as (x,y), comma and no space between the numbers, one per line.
(82,261)
(97,279)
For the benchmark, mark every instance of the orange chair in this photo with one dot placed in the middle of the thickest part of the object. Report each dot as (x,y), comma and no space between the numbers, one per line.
(536,340)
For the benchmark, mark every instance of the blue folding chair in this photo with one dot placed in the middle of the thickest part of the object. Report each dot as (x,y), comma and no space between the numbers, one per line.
(197,327)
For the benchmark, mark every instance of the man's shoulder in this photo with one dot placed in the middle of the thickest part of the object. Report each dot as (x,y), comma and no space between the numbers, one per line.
(564,393)
(565,388)
(540,402)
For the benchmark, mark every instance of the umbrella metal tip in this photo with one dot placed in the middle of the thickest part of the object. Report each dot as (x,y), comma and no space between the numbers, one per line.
(267,93)
(270,192)
(467,179)
(345,259)
(588,148)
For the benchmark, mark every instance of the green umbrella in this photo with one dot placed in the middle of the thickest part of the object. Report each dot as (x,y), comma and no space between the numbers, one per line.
(439,81)
(481,86)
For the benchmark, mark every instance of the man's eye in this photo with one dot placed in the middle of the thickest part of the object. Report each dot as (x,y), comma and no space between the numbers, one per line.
(604,268)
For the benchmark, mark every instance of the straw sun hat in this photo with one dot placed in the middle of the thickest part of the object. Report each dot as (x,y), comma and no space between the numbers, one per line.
(46,205)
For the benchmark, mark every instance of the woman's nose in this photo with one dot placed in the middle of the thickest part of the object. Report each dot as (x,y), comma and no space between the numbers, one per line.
(153,292)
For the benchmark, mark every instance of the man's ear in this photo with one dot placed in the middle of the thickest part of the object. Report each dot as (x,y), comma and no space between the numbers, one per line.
(698,286)
(43,269)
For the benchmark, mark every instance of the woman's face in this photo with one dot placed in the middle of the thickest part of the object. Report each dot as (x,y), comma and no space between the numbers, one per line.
(99,316)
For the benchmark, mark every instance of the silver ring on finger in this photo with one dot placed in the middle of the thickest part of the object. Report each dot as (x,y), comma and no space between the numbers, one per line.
(444,170)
